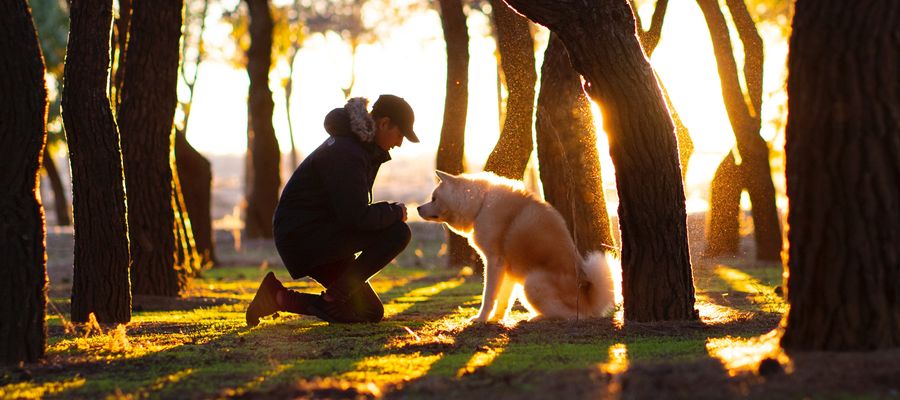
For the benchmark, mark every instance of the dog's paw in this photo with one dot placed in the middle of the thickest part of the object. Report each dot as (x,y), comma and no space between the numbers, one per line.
(479,319)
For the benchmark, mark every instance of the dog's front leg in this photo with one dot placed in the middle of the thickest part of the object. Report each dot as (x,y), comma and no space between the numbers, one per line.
(493,279)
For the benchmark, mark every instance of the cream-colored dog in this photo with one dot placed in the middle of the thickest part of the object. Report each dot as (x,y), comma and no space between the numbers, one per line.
(523,241)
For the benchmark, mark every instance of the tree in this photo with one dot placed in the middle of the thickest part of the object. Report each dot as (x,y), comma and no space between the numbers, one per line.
(263,177)
(567,151)
(754,172)
(450,154)
(600,38)
(52,22)
(101,265)
(516,46)
(192,171)
(842,154)
(146,111)
(23,117)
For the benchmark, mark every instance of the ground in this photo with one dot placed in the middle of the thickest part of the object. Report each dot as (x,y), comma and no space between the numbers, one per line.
(198,346)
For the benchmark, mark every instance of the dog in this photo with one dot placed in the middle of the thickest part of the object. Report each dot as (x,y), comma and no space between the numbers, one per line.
(523,241)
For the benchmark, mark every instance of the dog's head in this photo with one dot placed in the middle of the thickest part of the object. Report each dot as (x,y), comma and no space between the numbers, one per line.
(455,201)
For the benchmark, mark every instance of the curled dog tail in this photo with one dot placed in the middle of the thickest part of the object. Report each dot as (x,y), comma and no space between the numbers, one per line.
(601,292)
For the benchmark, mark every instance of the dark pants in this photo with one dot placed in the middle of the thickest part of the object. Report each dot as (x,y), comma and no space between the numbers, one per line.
(345,276)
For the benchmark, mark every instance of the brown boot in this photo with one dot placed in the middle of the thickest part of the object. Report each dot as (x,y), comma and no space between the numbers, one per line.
(264,303)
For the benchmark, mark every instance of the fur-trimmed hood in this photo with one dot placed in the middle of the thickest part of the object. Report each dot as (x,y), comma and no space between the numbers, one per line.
(351,120)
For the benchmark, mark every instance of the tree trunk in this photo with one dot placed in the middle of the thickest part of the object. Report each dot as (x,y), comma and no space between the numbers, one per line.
(101,265)
(723,236)
(147,109)
(60,202)
(755,171)
(263,174)
(513,150)
(188,262)
(602,46)
(567,152)
(121,28)
(842,154)
(450,154)
(195,176)
(23,117)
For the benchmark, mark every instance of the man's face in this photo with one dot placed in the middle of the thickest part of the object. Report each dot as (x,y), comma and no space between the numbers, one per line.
(387,134)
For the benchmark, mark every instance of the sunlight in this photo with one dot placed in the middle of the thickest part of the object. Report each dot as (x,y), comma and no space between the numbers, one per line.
(392,368)
(739,355)
(712,313)
(762,295)
(38,390)
(277,369)
(617,362)
(484,357)
(409,299)
(161,382)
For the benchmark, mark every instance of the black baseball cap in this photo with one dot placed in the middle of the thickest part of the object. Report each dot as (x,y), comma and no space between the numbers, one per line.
(400,113)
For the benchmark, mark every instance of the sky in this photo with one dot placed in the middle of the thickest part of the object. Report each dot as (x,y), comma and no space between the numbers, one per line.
(410,61)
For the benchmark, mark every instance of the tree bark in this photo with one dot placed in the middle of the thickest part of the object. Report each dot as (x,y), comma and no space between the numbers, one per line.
(23,257)
(146,113)
(60,202)
(723,236)
(842,155)
(516,46)
(101,265)
(755,171)
(450,154)
(121,28)
(195,176)
(567,152)
(603,47)
(263,174)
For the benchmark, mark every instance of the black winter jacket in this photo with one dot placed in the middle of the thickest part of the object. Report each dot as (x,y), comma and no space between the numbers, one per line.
(329,194)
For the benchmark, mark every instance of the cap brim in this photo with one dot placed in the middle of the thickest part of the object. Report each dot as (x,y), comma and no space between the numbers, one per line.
(411,136)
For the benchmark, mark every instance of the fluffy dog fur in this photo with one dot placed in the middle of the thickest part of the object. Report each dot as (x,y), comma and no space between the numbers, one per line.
(523,241)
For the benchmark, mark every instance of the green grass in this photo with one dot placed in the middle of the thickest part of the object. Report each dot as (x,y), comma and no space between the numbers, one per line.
(424,347)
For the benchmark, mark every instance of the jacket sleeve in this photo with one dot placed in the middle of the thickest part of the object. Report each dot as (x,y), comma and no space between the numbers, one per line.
(344,178)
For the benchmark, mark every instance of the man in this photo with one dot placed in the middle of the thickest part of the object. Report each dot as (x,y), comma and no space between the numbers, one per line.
(325,217)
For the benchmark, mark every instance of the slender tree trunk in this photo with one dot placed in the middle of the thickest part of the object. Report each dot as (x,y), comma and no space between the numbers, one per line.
(188,261)
(121,28)
(754,169)
(723,236)
(602,44)
(567,151)
(195,176)
(288,90)
(450,154)
(60,202)
(147,109)
(23,117)
(513,150)
(842,155)
(101,265)
(263,157)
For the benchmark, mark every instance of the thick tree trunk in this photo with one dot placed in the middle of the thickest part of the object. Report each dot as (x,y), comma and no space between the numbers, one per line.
(755,171)
(23,117)
(60,202)
(516,46)
(602,46)
(723,235)
(450,154)
(263,176)
(842,154)
(147,109)
(101,265)
(567,152)
(195,176)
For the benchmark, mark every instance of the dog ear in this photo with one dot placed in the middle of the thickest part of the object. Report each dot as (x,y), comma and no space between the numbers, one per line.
(443,176)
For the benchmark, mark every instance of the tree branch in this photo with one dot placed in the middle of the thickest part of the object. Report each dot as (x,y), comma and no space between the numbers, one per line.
(753,51)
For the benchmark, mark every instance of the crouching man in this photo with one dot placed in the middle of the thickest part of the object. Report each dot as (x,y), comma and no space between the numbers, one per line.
(325,217)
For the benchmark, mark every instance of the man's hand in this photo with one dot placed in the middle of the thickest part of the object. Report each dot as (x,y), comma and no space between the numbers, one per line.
(403,211)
